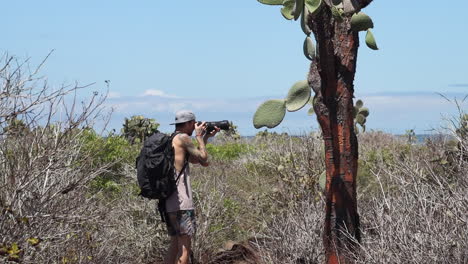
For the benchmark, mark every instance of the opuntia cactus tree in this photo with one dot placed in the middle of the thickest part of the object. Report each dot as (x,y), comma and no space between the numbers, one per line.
(137,128)
(360,114)
(335,25)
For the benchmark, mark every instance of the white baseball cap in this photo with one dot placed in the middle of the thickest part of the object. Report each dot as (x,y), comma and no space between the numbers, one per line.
(183,116)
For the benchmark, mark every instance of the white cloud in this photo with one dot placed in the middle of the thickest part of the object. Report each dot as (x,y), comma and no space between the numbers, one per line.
(153,92)
(173,107)
(111,95)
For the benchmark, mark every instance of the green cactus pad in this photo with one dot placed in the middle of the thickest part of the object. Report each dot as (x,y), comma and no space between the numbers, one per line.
(298,96)
(313,5)
(270,114)
(311,111)
(363,128)
(323,180)
(364,111)
(298,8)
(370,40)
(356,129)
(309,48)
(361,22)
(304,26)
(360,119)
(271,2)
(337,13)
(286,11)
(359,103)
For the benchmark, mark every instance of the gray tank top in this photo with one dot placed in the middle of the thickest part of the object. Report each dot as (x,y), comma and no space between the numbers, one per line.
(181,199)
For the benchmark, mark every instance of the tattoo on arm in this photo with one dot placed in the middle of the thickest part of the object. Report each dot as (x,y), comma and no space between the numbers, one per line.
(199,153)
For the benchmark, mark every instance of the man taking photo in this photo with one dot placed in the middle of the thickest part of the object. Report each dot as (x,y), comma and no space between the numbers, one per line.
(180,214)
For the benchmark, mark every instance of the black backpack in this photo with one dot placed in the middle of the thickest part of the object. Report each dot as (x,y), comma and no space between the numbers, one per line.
(155,167)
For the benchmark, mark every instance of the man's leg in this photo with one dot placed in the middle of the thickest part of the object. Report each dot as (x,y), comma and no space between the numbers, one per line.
(172,252)
(184,243)
(181,226)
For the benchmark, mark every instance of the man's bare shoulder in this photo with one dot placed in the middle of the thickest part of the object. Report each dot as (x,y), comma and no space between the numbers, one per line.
(182,140)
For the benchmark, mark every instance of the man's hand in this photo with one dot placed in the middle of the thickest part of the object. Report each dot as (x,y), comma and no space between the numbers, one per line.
(213,132)
(200,129)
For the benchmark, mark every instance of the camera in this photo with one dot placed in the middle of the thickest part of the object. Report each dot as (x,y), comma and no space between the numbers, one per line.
(210,125)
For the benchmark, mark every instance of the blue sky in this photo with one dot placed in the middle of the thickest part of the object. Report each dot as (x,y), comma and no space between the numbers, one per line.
(223,59)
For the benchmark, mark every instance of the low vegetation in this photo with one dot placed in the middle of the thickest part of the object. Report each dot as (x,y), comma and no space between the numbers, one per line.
(68,194)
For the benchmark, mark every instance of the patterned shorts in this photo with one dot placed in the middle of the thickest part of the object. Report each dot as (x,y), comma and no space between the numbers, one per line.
(181,223)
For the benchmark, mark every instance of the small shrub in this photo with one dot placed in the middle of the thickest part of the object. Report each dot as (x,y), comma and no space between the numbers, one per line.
(227,151)
(111,149)
(138,128)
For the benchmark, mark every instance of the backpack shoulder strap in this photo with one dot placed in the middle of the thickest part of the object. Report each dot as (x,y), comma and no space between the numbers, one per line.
(186,157)
(181,171)
(175,134)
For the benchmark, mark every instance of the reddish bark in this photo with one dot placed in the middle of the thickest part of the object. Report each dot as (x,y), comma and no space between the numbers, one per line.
(332,76)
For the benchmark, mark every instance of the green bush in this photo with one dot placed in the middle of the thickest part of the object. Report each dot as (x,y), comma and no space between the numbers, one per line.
(227,151)
(112,151)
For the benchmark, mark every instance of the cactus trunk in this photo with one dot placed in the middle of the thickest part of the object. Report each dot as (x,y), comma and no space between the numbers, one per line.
(333,73)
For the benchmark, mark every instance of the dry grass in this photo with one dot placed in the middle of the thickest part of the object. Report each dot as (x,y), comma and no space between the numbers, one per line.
(261,193)
(412,210)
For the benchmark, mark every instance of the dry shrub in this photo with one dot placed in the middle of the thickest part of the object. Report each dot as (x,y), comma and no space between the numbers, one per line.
(294,236)
(412,198)
(420,213)
(291,222)
(415,210)
(43,168)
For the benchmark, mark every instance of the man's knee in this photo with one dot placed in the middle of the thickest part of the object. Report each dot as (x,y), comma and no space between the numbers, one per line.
(184,245)
(184,241)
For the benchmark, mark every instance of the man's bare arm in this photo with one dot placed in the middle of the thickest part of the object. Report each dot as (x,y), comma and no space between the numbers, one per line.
(199,153)
(196,161)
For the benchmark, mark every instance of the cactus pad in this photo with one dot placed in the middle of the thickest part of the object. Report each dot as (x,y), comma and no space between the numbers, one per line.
(286,11)
(356,129)
(309,48)
(364,111)
(271,2)
(323,180)
(361,22)
(311,111)
(363,128)
(304,26)
(337,13)
(270,114)
(298,8)
(360,119)
(298,96)
(370,40)
(359,103)
(313,5)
